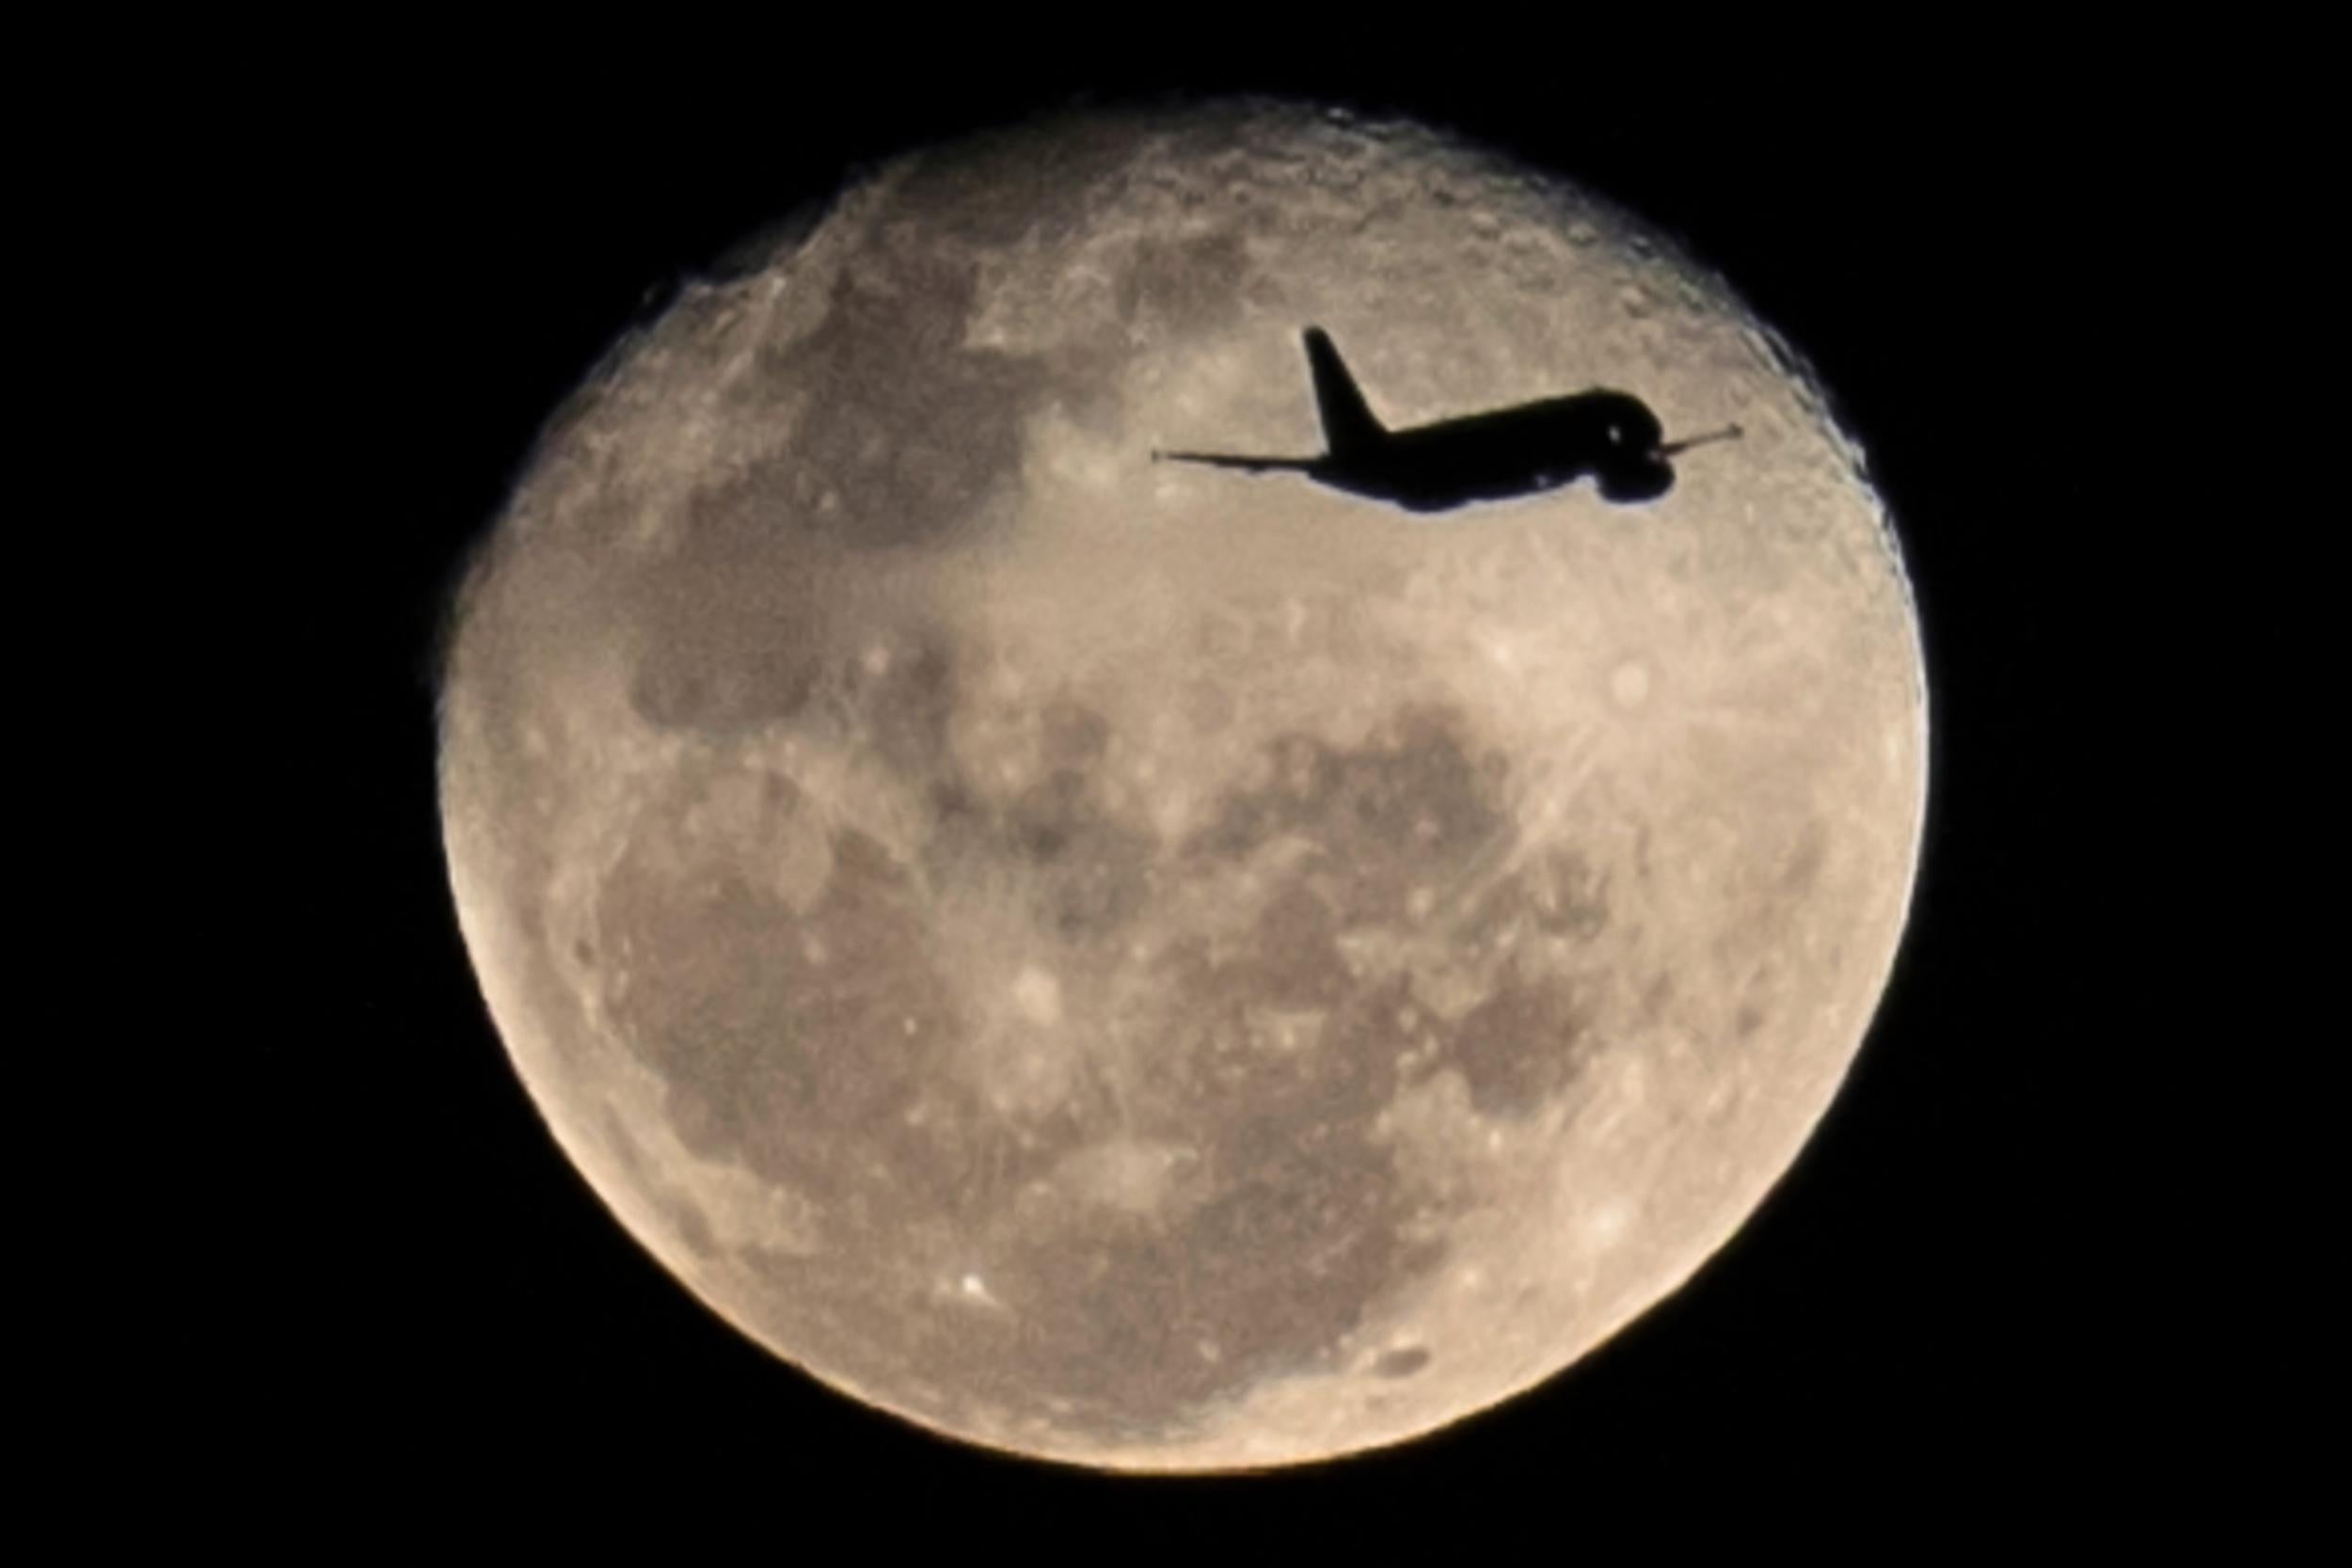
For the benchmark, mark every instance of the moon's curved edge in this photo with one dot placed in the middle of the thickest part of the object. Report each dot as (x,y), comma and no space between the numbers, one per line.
(475,917)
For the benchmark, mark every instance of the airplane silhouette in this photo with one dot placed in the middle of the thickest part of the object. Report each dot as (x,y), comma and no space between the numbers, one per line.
(1479,457)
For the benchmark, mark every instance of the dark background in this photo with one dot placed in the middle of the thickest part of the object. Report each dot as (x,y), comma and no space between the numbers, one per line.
(409,1294)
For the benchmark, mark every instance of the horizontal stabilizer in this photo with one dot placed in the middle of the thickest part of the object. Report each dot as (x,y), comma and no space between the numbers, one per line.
(1230,460)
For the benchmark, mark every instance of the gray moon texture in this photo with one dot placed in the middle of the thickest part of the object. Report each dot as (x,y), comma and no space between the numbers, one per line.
(1157,968)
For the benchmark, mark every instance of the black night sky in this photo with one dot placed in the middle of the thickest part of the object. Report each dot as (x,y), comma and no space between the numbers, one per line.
(432,1305)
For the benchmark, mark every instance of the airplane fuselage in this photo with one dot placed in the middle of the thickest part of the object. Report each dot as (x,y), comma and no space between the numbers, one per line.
(1497,456)
(1610,437)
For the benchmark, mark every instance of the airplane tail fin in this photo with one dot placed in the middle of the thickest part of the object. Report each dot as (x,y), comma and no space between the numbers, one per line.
(1348,425)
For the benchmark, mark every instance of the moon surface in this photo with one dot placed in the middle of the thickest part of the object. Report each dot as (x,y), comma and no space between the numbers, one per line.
(1157,968)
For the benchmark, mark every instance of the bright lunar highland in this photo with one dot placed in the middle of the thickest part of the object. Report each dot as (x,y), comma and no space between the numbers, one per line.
(1154,967)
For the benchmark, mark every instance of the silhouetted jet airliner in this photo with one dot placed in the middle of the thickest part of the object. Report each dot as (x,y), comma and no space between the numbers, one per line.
(1479,457)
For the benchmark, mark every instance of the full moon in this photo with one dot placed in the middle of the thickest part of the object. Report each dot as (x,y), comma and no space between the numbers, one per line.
(1155,967)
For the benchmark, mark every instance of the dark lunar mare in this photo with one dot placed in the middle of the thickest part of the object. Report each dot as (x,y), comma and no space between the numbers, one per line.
(834,1076)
